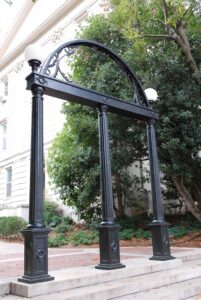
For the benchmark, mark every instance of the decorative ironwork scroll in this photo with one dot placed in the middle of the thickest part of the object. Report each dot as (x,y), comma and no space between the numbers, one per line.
(58,63)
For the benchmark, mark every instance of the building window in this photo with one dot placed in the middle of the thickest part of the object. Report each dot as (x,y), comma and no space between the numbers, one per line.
(3,133)
(6,87)
(8,182)
(4,91)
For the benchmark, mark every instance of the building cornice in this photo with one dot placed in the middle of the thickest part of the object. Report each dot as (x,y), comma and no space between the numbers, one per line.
(19,20)
(59,14)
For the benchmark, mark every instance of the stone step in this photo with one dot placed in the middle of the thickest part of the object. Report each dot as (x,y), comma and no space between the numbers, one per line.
(89,276)
(4,288)
(192,254)
(197,297)
(179,291)
(176,291)
(132,285)
(165,283)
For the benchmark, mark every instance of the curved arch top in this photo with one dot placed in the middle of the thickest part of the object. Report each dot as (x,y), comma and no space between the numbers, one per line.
(52,65)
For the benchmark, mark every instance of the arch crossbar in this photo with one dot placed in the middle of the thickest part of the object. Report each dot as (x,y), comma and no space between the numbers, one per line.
(53,77)
(52,65)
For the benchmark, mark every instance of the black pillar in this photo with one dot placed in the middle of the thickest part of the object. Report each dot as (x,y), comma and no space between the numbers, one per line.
(108,230)
(36,234)
(158,227)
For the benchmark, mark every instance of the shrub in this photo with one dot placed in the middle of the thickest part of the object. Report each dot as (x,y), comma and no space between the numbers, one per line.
(178,231)
(133,222)
(57,241)
(62,228)
(126,222)
(84,238)
(142,234)
(190,221)
(11,225)
(126,234)
(93,226)
(68,220)
(52,214)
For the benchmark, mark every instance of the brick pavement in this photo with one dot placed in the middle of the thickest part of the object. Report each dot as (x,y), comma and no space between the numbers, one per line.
(12,261)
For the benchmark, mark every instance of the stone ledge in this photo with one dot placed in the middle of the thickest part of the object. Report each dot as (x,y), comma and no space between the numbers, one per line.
(84,276)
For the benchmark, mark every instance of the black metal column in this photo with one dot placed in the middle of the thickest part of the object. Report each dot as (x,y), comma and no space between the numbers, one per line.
(36,234)
(108,230)
(158,227)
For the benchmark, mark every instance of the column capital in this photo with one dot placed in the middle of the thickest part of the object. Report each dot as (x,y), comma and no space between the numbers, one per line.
(103,109)
(37,89)
(151,122)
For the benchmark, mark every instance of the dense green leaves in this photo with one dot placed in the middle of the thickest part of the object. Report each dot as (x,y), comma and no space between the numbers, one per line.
(160,40)
(74,158)
(74,164)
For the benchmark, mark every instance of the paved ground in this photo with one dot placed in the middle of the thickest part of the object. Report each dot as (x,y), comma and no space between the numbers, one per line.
(12,261)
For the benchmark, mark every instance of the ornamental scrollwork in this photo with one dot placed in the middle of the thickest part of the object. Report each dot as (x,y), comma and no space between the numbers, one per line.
(60,64)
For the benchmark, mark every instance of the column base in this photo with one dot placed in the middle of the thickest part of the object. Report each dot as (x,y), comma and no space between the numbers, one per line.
(35,255)
(110,267)
(160,241)
(162,257)
(109,247)
(30,280)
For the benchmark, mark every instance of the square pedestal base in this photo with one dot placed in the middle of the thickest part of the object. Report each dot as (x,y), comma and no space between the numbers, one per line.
(109,247)
(35,255)
(160,241)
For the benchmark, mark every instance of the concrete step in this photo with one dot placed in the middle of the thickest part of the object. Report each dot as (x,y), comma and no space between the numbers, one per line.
(172,284)
(4,288)
(89,276)
(139,286)
(198,297)
(189,255)
(177,291)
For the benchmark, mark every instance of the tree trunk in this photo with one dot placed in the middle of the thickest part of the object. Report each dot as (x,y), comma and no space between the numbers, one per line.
(120,203)
(186,197)
(197,196)
(181,38)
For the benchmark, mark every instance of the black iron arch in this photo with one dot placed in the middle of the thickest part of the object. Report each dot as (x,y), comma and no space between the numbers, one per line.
(51,66)
(45,81)
(56,84)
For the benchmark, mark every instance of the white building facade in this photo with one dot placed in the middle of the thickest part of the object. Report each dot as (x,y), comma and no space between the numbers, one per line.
(49,24)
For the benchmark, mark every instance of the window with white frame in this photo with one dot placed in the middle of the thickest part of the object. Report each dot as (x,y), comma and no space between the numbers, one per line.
(8,182)
(3,135)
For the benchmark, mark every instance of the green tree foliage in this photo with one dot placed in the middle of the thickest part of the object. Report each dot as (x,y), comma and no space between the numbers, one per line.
(161,42)
(170,33)
(74,157)
(176,21)
(73,162)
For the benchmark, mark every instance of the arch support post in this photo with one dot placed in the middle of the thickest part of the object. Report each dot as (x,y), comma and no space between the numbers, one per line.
(36,234)
(158,227)
(108,230)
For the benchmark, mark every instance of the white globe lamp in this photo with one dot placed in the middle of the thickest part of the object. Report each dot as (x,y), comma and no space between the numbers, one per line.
(34,55)
(151,94)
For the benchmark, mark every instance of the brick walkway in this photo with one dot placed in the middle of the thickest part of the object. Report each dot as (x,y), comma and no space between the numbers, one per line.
(12,257)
